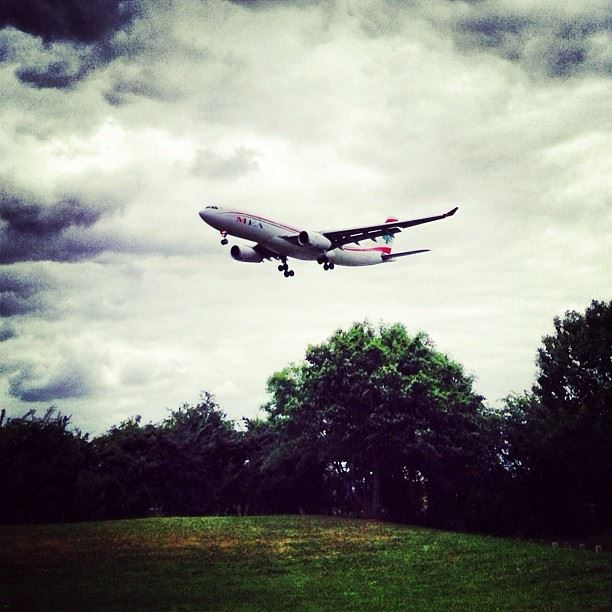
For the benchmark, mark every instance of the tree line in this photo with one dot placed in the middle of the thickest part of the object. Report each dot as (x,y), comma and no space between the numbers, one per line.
(373,422)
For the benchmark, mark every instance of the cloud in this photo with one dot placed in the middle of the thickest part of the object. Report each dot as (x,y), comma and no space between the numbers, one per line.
(66,381)
(240,161)
(81,21)
(550,41)
(43,372)
(56,65)
(22,291)
(501,33)
(60,74)
(7,331)
(145,83)
(320,115)
(57,43)
(31,231)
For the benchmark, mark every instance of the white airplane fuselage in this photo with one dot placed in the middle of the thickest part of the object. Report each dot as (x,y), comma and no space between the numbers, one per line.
(273,236)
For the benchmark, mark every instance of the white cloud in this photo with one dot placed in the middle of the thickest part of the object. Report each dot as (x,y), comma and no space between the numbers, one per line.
(324,115)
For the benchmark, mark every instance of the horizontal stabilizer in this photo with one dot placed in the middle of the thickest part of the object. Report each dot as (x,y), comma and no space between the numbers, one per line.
(394,255)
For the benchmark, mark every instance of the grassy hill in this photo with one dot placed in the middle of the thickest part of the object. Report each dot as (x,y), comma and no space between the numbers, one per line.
(289,563)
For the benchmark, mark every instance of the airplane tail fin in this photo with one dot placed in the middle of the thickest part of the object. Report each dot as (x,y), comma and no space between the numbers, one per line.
(388,238)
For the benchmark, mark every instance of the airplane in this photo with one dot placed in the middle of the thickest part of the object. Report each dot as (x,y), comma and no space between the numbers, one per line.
(274,240)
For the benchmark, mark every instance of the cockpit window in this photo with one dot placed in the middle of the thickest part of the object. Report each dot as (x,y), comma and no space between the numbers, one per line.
(213,207)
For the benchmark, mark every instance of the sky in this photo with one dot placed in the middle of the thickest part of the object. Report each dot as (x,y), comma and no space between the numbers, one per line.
(119,121)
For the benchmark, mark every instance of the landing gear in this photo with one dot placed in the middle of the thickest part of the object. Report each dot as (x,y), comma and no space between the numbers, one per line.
(284,268)
(327,265)
(224,239)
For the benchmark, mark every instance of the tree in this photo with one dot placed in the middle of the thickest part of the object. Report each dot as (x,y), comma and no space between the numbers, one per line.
(560,433)
(203,460)
(43,460)
(575,364)
(188,464)
(395,423)
(130,470)
(283,470)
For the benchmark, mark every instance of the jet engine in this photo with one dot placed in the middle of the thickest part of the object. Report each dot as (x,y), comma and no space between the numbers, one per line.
(315,240)
(245,253)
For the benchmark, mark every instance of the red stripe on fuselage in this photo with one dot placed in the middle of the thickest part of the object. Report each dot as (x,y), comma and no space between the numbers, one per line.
(381,249)
(258,218)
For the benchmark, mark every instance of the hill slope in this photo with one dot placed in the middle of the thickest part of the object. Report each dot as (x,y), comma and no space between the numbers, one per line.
(282,563)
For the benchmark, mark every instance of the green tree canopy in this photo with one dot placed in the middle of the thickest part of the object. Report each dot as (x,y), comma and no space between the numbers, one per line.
(560,433)
(187,464)
(396,423)
(41,458)
(575,363)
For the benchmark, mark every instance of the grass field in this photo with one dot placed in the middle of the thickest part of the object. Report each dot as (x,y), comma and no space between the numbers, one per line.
(289,563)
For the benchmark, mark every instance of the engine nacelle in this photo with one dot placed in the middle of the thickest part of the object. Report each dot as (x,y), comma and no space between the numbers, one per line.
(315,240)
(245,253)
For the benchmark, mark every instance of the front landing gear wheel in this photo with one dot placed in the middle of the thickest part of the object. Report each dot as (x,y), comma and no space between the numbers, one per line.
(224,241)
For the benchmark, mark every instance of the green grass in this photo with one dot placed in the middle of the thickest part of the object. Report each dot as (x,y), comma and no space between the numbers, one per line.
(289,563)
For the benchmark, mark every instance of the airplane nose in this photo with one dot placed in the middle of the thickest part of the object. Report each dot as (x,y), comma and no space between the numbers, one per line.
(203,215)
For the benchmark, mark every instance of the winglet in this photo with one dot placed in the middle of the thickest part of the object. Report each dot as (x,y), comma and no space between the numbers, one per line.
(450,213)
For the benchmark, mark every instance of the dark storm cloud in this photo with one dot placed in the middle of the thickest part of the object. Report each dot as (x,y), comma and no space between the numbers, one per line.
(563,62)
(58,75)
(35,219)
(493,31)
(33,232)
(145,85)
(22,292)
(63,66)
(547,40)
(7,332)
(266,4)
(80,21)
(77,38)
(544,43)
(69,380)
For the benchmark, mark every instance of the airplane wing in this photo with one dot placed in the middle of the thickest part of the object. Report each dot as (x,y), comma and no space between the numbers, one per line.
(265,252)
(341,237)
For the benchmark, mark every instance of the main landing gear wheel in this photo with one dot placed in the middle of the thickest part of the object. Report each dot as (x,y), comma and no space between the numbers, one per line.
(284,268)
(327,265)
